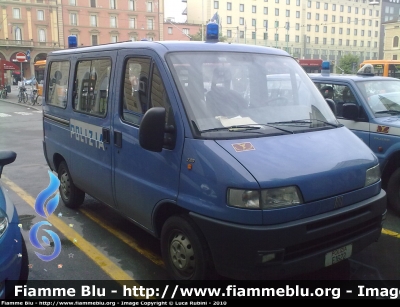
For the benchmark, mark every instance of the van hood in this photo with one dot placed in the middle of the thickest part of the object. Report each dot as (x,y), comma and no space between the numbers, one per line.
(321,163)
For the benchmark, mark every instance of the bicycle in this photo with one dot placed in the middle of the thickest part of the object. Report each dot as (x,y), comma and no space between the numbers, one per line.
(33,96)
(3,92)
(22,95)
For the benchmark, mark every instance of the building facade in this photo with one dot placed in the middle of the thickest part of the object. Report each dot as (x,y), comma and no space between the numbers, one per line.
(392,35)
(308,29)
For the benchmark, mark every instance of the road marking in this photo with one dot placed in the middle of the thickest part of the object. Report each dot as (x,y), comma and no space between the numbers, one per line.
(4,115)
(109,267)
(391,233)
(123,237)
(23,113)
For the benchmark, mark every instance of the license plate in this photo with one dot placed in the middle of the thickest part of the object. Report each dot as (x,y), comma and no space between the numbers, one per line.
(338,255)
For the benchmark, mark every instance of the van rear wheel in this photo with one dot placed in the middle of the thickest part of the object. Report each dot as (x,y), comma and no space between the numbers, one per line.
(393,192)
(184,250)
(72,196)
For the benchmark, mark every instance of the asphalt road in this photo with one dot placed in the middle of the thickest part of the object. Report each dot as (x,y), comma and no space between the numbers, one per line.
(98,244)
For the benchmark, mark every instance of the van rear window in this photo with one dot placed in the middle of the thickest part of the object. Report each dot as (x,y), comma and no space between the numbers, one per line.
(57,88)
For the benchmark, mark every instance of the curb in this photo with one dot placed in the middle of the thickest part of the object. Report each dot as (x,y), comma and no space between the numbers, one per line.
(37,108)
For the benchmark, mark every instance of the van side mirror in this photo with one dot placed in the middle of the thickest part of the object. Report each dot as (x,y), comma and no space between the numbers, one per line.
(6,157)
(152,129)
(350,111)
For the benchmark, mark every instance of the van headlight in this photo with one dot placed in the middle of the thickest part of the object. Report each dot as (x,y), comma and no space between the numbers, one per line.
(373,175)
(268,198)
(3,222)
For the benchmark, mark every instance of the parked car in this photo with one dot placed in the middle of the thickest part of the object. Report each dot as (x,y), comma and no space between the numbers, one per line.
(369,105)
(13,256)
(31,81)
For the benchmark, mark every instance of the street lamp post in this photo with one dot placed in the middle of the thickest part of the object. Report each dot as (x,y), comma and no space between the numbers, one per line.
(276,37)
(373,3)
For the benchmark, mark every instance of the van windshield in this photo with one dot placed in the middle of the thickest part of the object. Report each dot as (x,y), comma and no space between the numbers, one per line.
(231,93)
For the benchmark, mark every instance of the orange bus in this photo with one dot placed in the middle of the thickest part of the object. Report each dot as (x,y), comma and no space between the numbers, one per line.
(39,74)
(386,68)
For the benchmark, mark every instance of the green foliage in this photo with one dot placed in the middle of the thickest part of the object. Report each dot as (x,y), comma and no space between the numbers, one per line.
(346,63)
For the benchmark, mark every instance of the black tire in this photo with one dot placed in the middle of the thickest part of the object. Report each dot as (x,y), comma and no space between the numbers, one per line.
(23,276)
(185,251)
(72,196)
(393,192)
(25,97)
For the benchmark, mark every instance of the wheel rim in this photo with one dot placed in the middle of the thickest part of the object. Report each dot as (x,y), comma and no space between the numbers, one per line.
(65,185)
(182,254)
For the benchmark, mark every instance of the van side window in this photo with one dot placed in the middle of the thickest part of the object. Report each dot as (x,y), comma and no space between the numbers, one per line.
(57,87)
(135,89)
(91,86)
(159,96)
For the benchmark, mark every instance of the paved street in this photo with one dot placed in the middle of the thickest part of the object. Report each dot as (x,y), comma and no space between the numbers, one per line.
(13,97)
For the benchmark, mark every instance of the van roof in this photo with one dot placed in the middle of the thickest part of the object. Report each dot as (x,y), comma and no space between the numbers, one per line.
(163,47)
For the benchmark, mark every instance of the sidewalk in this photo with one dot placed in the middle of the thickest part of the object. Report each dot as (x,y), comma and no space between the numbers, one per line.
(13,98)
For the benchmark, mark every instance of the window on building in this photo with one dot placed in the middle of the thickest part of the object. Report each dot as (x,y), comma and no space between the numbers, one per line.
(316,28)
(333,7)
(297,14)
(276,12)
(113,21)
(308,3)
(229,33)
(93,20)
(287,2)
(355,43)
(113,4)
(308,15)
(72,2)
(362,43)
(16,13)
(317,16)
(241,33)
(394,57)
(132,22)
(241,7)
(317,4)
(297,26)
(362,11)
(297,38)
(94,40)
(42,35)
(265,11)
(253,9)
(348,20)
(324,41)
(276,1)
(169,30)
(307,39)
(316,40)
(325,6)
(297,2)
(341,8)
(73,20)
(341,19)
(149,6)
(332,41)
(348,31)
(340,42)
(308,28)
(40,15)
(265,24)
(131,5)
(347,42)
(228,19)
(287,13)
(185,31)
(355,32)
(229,6)
(369,33)
(114,38)
(325,29)
(349,9)
(396,41)
(356,21)
(253,22)
(340,30)
(241,20)
(150,23)
(276,37)
(253,35)
(362,32)
(216,4)
(333,30)
(265,36)
(333,18)
(92,3)
(325,17)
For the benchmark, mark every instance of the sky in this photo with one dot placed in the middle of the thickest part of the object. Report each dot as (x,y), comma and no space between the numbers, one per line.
(174,8)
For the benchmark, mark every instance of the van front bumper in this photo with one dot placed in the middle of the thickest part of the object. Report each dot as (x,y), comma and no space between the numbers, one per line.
(285,250)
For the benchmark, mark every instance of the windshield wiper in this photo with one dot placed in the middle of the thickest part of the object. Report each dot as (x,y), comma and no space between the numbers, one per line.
(240,128)
(388,111)
(303,121)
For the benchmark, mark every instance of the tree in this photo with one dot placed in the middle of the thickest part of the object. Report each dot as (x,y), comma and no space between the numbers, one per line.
(349,63)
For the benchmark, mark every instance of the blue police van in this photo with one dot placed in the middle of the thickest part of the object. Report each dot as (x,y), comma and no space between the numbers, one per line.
(369,105)
(227,153)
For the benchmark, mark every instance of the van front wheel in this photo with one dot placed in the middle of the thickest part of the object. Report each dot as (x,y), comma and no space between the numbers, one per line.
(72,196)
(184,250)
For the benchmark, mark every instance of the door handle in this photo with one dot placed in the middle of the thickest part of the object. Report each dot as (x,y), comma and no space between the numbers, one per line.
(106,135)
(118,139)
